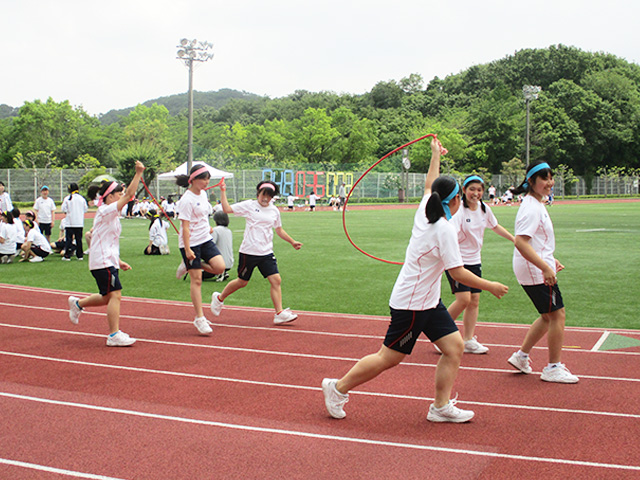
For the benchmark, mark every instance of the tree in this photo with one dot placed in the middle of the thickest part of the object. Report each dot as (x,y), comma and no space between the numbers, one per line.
(566,178)
(514,170)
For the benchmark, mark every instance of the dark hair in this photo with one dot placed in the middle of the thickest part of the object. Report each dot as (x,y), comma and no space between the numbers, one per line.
(8,216)
(100,189)
(15,212)
(221,218)
(170,199)
(28,223)
(183,180)
(525,186)
(464,197)
(1,183)
(440,188)
(72,187)
(153,216)
(272,191)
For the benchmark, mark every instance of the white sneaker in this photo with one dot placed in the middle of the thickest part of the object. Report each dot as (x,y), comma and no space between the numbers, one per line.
(285,316)
(65,259)
(216,304)
(333,399)
(558,374)
(449,413)
(473,346)
(74,310)
(181,271)
(521,363)
(36,259)
(120,339)
(202,324)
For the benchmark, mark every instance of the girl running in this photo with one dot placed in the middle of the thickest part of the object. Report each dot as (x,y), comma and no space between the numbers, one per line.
(195,241)
(104,256)
(256,249)
(536,270)
(470,223)
(415,302)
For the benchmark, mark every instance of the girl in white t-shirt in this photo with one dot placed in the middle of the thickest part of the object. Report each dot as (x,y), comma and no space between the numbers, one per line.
(415,302)
(158,241)
(104,256)
(8,235)
(198,250)
(36,247)
(470,223)
(536,270)
(256,250)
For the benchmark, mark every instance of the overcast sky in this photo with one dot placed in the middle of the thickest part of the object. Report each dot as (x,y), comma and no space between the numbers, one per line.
(117,53)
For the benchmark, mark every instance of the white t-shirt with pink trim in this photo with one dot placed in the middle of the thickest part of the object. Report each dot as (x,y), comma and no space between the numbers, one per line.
(433,248)
(470,226)
(196,210)
(534,221)
(258,231)
(105,241)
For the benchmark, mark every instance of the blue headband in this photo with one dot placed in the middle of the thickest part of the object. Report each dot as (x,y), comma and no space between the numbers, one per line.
(473,178)
(533,171)
(445,202)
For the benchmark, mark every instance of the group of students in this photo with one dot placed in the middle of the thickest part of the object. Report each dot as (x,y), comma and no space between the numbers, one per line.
(446,237)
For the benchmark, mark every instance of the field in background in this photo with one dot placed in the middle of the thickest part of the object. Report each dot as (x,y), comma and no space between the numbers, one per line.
(597,243)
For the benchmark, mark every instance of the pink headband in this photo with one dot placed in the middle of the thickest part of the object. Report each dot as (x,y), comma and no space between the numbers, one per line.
(268,186)
(200,171)
(110,189)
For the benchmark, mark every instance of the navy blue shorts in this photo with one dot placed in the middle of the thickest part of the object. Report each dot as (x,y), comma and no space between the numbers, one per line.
(406,326)
(45,228)
(107,279)
(267,265)
(205,251)
(546,298)
(457,287)
(38,251)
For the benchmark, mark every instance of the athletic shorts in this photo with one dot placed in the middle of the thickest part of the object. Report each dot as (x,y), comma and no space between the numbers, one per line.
(457,287)
(45,228)
(406,326)
(546,298)
(107,279)
(267,265)
(205,251)
(39,252)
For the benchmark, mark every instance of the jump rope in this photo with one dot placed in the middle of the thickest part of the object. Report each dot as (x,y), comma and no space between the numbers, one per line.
(344,208)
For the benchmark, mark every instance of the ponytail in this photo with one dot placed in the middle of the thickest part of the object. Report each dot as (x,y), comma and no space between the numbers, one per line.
(443,190)
(184,181)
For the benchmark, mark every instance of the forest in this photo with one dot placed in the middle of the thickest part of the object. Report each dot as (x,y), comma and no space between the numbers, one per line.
(586,120)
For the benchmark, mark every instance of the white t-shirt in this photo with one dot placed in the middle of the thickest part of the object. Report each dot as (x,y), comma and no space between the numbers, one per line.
(534,221)
(470,226)
(20,235)
(5,202)
(105,241)
(312,200)
(75,208)
(36,238)
(433,248)
(223,238)
(196,210)
(158,233)
(45,208)
(8,233)
(258,232)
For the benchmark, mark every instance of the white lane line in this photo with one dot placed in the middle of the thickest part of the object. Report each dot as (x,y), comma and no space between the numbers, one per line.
(600,341)
(297,433)
(61,471)
(309,388)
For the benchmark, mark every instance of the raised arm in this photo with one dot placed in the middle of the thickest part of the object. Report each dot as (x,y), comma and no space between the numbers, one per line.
(132,187)
(226,208)
(434,165)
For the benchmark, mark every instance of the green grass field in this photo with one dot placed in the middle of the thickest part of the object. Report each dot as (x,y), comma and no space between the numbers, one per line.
(597,243)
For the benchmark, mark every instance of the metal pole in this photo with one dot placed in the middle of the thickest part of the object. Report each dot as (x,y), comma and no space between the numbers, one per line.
(527,102)
(190,129)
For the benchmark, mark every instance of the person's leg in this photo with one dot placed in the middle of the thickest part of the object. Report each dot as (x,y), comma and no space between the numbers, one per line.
(459,304)
(113,310)
(555,336)
(470,316)
(195,289)
(95,300)
(368,368)
(537,330)
(79,249)
(214,266)
(68,242)
(452,348)
(231,287)
(275,282)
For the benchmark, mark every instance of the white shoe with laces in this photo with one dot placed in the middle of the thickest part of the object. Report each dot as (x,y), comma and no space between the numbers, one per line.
(333,399)
(449,413)
(558,374)
(203,325)
(216,304)
(473,346)
(120,339)
(36,260)
(521,363)
(285,316)
(74,310)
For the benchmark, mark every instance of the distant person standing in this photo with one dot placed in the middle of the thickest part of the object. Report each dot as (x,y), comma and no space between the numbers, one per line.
(313,198)
(342,194)
(5,200)
(75,206)
(45,208)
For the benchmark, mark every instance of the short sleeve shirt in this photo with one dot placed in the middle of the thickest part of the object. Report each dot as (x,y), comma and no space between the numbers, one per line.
(45,209)
(470,226)
(260,222)
(196,210)
(105,241)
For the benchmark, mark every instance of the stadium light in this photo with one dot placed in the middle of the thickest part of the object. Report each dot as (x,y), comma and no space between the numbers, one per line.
(530,92)
(190,51)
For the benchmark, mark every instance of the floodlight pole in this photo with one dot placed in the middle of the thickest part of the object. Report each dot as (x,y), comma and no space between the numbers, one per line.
(190,51)
(530,92)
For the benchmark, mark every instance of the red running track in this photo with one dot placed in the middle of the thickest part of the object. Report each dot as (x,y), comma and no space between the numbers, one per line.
(245,402)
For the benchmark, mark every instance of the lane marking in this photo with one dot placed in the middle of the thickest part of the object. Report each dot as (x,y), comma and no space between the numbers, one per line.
(302,434)
(45,468)
(600,341)
(309,388)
